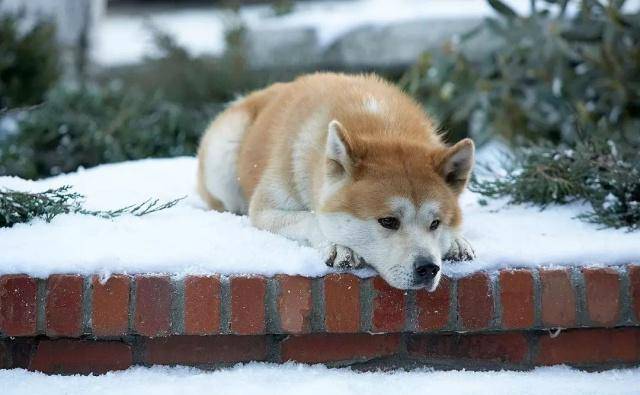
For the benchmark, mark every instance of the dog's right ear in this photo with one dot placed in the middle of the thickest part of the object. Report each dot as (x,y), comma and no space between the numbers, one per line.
(339,152)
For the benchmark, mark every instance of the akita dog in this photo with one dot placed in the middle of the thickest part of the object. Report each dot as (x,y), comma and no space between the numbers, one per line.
(348,164)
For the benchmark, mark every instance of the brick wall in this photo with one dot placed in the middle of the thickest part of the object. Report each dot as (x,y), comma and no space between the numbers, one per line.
(69,323)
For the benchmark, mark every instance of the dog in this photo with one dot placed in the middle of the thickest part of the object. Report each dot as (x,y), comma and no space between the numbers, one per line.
(348,164)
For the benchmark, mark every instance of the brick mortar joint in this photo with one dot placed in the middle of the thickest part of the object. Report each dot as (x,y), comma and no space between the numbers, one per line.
(494,289)
(87,305)
(177,306)
(537,299)
(578,282)
(225,305)
(625,316)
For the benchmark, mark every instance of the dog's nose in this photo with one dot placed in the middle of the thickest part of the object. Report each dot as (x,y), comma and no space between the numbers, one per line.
(425,269)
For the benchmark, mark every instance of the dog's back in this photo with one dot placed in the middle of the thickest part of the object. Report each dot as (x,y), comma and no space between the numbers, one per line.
(284,127)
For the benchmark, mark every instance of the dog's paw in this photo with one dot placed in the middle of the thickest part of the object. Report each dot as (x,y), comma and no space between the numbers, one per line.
(460,250)
(342,257)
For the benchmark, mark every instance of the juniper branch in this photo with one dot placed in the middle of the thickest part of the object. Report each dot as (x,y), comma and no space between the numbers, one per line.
(20,207)
(597,172)
(147,207)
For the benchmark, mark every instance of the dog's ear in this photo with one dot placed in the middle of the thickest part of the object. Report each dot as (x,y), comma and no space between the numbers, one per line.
(457,163)
(339,150)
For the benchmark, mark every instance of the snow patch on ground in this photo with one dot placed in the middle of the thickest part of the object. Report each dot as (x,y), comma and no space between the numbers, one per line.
(260,378)
(201,30)
(187,239)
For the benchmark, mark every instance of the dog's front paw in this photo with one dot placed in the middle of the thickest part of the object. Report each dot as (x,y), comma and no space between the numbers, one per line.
(460,250)
(342,257)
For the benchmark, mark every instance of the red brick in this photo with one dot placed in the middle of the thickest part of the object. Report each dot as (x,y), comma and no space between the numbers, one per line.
(475,303)
(603,295)
(80,356)
(590,346)
(18,295)
(153,306)
(508,347)
(64,305)
(558,298)
(203,350)
(21,351)
(517,299)
(433,307)
(388,307)
(201,305)
(110,306)
(248,305)
(342,303)
(294,303)
(634,283)
(323,347)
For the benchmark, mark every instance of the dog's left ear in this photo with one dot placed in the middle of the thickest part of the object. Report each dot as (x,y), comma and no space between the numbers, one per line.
(455,167)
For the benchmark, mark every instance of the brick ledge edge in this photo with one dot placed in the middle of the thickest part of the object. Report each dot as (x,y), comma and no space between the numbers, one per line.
(503,319)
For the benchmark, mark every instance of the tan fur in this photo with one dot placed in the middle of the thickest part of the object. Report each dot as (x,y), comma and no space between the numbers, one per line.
(394,148)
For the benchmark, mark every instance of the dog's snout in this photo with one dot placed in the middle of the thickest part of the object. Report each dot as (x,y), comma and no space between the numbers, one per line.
(425,269)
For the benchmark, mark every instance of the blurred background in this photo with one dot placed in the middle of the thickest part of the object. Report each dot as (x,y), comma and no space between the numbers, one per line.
(554,83)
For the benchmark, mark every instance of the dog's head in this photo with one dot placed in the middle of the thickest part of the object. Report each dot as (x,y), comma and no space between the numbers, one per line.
(395,203)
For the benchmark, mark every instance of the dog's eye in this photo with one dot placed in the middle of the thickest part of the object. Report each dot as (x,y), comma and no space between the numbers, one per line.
(389,223)
(434,225)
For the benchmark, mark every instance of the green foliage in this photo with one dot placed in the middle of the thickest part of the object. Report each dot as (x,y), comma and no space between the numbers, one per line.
(543,80)
(89,125)
(28,61)
(20,207)
(283,7)
(599,172)
(158,109)
(538,77)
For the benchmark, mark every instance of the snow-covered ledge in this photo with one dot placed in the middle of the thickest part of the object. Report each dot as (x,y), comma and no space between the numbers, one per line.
(189,286)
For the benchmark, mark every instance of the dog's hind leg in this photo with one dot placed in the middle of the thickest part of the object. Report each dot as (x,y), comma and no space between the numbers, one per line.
(211,201)
(217,158)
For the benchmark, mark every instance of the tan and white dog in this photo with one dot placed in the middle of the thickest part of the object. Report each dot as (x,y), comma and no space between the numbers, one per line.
(348,164)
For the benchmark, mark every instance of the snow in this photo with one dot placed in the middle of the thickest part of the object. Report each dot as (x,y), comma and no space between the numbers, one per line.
(261,378)
(331,20)
(187,239)
(182,240)
(201,30)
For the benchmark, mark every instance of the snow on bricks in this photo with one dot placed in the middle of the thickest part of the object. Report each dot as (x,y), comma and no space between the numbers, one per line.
(70,323)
